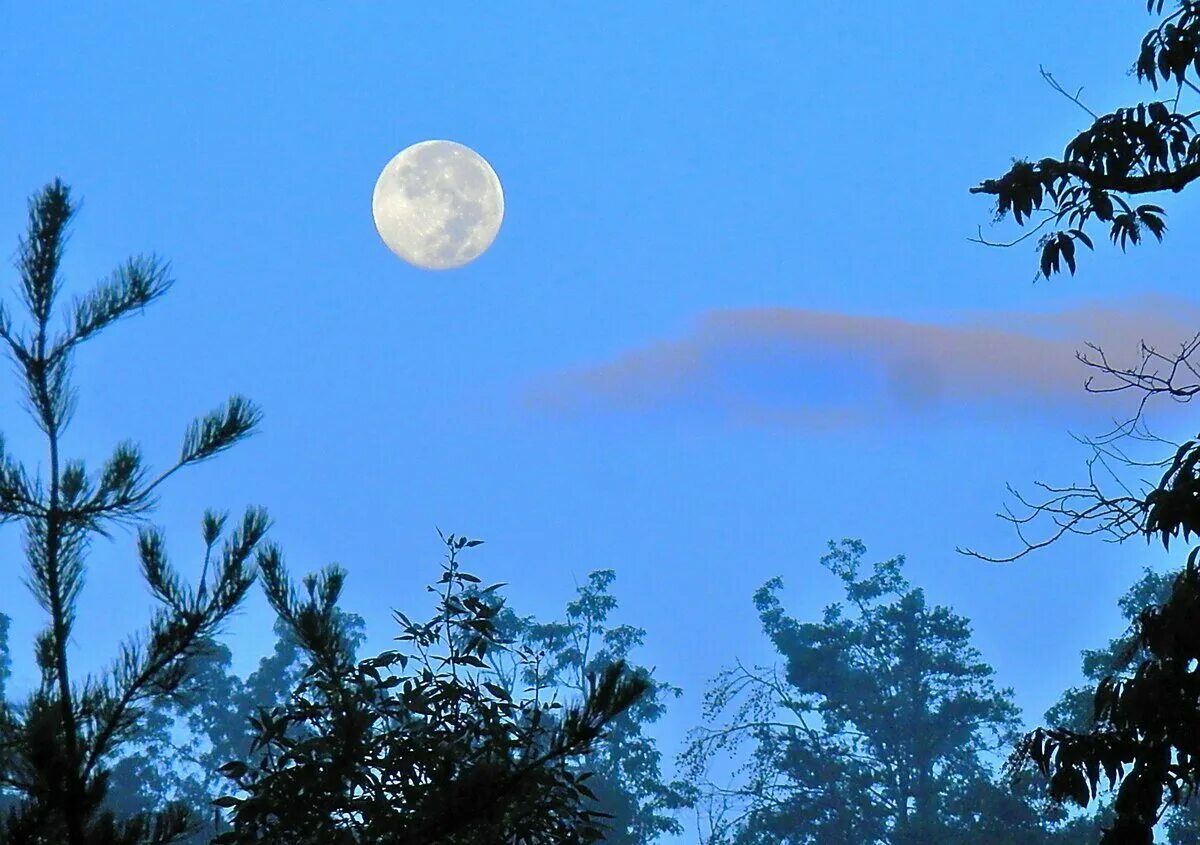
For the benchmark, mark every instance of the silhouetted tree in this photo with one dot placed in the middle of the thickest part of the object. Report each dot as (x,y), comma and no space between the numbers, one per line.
(1146,148)
(1123,654)
(626,764)
(880,727)
(175,756)
(417,746)
(58,743)
(1144,734)
(184,740)
(1141,149)
(1144,726)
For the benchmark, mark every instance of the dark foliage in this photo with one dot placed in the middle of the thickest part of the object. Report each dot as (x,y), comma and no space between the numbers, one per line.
(1075,710)
(1141,738)
(56,745)
(626,765)
(880,727)
(184,741)
(1141,149)
(417,745)
(1144,730)
(181,743)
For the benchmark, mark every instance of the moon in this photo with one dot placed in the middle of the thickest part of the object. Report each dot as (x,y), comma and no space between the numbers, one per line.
(438,205)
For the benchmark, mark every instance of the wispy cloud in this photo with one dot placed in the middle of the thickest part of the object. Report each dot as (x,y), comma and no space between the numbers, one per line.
(814,369)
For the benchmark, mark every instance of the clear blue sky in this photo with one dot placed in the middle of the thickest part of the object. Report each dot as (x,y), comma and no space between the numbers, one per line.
(602,388)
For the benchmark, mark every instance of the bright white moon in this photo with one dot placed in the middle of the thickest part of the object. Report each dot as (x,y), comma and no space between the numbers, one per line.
(438,205)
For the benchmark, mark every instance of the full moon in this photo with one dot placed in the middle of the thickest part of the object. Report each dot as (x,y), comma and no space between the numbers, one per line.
(438,205)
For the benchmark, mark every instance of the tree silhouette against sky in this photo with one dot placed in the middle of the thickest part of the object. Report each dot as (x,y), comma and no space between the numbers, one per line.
(58,742)
(1143,738)
(881,726)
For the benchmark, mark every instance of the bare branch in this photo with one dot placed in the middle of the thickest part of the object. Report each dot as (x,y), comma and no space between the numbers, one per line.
(1089,508)
(1074,98)
(1005,244)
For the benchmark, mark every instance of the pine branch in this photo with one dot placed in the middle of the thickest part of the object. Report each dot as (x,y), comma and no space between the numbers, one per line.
(39,253)
(314,621)
(18,499)
(16,346)
(134,286)
(66,733)
(124,493)
(219,430)
(176,634)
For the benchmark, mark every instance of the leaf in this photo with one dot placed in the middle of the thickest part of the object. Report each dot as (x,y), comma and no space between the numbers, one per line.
(233,769)
(1155,224)
(1102,204)
(498,691)
(1049,257)
(1067,248)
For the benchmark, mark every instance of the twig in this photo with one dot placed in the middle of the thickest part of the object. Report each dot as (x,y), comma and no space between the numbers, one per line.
(1005,244)
(1074,98)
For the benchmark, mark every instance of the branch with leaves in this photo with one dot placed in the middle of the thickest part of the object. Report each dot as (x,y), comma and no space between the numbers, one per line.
(1143,149)
(416,745)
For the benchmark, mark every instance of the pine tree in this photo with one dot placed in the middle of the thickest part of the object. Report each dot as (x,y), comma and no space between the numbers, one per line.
(58,741)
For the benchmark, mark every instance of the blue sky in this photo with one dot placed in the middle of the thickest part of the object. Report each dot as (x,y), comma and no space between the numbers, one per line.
(667,167)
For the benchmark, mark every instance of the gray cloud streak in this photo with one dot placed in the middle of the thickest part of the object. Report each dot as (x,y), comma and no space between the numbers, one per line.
(814,369)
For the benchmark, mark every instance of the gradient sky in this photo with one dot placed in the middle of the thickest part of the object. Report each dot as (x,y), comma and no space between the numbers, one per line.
(732,312)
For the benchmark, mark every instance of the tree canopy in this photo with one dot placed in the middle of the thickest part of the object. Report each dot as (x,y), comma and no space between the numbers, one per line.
(880,727)
(176,755)
(417,745)
(626,765)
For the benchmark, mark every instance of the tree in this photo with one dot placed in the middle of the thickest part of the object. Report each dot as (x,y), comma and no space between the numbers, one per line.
(1075,708)
(1142,149)
(879,727)
(1144,724)
(416,746)
(1146,148)
(58,742)
(183,741)
(626,766)
(1142,739)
